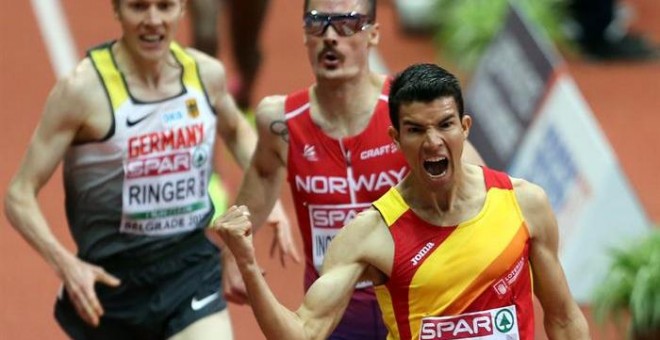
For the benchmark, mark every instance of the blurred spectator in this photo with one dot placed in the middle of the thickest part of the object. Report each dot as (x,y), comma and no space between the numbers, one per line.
(602,37)
(245,20)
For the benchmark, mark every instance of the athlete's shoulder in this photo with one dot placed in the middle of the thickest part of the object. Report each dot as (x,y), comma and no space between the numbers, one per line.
(270,109)
(211,70)
(79,86)
(527,191)
(370,218)
(533,201)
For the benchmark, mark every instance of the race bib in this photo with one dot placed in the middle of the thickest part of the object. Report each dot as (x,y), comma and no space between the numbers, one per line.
(326,221)
(166,194)
(494,324)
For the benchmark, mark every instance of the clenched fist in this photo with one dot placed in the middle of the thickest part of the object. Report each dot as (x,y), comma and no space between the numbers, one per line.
(235,228)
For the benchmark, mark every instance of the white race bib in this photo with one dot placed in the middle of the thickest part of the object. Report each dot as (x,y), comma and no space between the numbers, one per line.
(494,324)
(166,194)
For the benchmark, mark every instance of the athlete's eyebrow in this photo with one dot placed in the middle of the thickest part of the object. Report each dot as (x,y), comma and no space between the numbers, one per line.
(409,122)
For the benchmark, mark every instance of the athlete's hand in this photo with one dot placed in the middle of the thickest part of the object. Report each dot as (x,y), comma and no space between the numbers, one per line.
(79,278)
(282,238)
(235,229)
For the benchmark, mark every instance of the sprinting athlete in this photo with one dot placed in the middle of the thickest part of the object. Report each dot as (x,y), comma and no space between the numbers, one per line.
(452,249)
(134,126)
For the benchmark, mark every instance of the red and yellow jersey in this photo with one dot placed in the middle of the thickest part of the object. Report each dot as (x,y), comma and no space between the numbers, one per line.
(470,281)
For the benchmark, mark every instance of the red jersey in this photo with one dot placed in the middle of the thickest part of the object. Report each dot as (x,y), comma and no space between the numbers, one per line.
(470,281)
(332,180)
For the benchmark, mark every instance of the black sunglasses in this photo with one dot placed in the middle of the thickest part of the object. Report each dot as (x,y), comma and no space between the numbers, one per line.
(345,24)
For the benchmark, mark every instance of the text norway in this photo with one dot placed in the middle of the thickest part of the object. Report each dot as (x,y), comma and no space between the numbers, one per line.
(341,185)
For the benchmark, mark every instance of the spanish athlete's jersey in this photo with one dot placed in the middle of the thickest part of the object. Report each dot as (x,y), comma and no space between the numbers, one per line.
(333,179)
(144,186)
(470,281)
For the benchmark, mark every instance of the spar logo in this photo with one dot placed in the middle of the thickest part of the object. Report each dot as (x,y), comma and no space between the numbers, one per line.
(504,321)
(480,325)
(158,166)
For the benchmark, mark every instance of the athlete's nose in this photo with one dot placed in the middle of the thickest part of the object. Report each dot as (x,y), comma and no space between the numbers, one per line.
(153,16)
(433,138)
(330,35)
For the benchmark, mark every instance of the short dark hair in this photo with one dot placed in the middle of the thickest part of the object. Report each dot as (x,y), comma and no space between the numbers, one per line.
(423,83)
(371,12)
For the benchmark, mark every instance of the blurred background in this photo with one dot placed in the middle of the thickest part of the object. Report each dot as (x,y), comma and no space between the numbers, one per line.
(576,114)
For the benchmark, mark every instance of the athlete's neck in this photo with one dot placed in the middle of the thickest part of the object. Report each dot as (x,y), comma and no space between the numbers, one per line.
(347,105)
(460,199)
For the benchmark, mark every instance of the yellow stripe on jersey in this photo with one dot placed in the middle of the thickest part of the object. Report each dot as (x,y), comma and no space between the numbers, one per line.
(190,74)
(112,79)
(391,206)
(385,301)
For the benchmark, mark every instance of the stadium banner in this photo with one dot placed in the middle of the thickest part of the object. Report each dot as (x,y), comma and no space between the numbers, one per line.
(507,89)
(555,142)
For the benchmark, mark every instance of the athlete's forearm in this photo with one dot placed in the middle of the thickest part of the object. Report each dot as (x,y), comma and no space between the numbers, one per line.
(259,192)
(25,216)
(275,320)
(242,142)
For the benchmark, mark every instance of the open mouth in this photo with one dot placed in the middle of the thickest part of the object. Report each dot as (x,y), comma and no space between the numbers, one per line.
(436,167)
(330,58)
(152,38)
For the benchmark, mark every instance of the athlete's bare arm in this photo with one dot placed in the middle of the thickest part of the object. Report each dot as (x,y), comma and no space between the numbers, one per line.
(562,316)
(263,180)
(75,111)
(233,127)
(363,249)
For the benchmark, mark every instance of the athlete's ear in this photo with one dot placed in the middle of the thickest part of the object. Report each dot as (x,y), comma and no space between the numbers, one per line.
(183,8)
(394,134)
(466,123)
(374,34)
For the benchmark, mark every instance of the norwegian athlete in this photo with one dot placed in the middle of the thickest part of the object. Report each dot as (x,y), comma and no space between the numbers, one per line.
(330,141)
(135,125)
(455,251)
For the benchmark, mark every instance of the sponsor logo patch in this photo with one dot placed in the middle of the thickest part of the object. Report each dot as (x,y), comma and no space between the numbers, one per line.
(493,324)
(191,106)
(309,152)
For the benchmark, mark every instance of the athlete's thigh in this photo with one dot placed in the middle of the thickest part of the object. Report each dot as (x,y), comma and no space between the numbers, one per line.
(216,326)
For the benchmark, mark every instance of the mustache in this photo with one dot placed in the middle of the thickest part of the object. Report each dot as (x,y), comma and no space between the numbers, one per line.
(329,48)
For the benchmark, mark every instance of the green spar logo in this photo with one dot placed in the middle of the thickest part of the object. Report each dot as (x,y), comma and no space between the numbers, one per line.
(504,321)
(199,157)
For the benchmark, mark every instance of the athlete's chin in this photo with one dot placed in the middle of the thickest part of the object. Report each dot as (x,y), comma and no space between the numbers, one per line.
(334,73)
